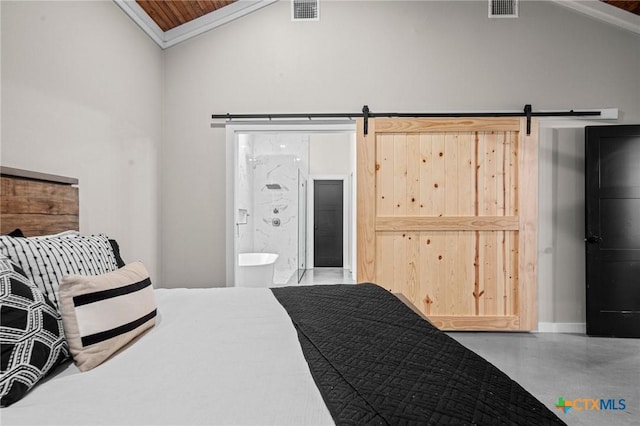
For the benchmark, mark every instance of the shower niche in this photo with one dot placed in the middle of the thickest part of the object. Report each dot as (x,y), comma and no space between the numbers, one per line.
(271,185)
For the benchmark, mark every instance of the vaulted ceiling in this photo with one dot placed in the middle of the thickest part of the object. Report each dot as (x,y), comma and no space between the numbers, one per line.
(169,22)
(170,14)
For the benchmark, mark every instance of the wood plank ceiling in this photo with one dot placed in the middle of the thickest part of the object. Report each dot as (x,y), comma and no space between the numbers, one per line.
(171,14)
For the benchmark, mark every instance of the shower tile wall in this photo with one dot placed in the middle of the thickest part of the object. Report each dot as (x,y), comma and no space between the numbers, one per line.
(244,194)
(272,159)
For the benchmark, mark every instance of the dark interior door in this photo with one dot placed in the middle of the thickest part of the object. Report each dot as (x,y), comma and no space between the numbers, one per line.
(327,227)
(613,230)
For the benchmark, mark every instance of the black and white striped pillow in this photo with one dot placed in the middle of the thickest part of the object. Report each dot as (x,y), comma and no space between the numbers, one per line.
(46,260)
(102,314)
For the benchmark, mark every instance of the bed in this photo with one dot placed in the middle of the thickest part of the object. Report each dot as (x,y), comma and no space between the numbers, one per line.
(313,355)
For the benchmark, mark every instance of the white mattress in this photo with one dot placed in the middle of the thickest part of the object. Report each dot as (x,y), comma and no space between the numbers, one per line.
(227,356)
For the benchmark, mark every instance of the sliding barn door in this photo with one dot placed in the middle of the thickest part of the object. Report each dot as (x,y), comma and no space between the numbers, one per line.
(447,216)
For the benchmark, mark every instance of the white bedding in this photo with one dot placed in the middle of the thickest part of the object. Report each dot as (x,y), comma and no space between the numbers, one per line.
(227,356)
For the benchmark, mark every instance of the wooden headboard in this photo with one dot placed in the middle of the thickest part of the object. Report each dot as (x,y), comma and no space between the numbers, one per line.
(37,203)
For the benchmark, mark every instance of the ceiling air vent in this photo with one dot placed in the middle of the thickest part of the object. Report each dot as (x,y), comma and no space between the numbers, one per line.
(305,10)
(503,8)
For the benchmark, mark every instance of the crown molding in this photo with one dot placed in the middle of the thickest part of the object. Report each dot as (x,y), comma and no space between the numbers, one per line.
(190,29)
(604,12)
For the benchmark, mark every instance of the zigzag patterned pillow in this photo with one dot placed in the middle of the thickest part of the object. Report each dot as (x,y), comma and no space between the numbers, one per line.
(31,334)
(46,260)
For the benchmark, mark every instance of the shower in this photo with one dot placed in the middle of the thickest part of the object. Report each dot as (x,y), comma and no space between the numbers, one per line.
(271,187)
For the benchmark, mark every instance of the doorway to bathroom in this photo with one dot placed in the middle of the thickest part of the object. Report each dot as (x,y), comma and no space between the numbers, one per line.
(327,225)
(271,170)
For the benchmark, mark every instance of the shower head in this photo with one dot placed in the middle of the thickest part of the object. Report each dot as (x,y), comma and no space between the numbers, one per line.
(274,186)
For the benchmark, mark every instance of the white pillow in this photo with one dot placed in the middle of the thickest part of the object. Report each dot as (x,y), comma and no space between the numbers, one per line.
(102,314)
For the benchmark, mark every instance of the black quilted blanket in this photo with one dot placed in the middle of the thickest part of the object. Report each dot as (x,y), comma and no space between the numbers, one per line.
(375,361)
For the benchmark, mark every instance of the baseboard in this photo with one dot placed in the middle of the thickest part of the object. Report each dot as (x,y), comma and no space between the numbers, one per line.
(562,327)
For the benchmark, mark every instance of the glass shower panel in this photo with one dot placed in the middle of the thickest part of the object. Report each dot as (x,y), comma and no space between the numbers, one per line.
(302,224)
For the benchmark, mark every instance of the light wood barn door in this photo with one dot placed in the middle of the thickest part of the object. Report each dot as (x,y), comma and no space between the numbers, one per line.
(447,212)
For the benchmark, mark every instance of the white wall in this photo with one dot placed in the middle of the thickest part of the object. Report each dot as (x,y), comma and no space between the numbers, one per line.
(330,154)
(393,56)
(82,97)
(561,209)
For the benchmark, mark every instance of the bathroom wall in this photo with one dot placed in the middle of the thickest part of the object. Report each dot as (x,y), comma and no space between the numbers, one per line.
(244,195)
(272,158)
(330,154)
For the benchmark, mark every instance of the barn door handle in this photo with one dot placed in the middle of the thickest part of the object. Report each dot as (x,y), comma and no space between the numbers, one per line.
(527,113)
(593,239)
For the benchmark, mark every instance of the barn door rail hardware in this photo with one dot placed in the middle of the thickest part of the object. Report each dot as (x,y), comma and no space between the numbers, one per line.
(366,114)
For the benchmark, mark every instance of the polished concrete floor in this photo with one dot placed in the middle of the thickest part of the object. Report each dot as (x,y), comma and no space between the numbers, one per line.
(553,365)
(324,276)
